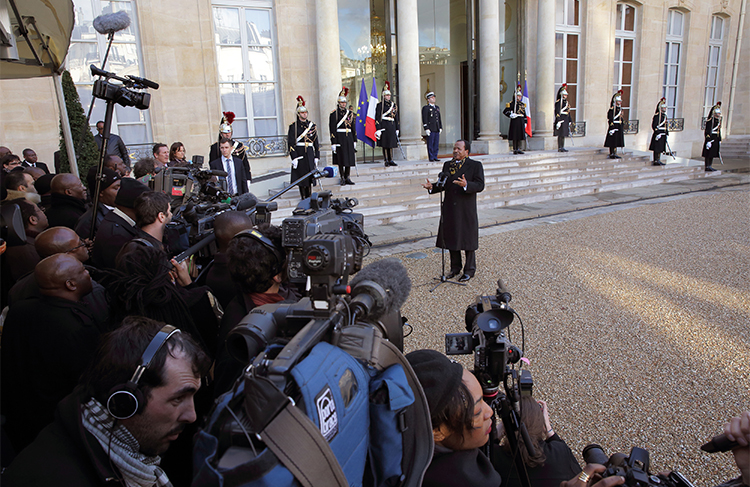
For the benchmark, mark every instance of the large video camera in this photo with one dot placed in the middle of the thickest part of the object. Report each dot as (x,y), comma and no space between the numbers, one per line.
(122,94)
(634,468)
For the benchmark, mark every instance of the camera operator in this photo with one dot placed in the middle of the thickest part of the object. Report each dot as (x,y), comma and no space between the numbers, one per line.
(152,214)
(257,265)
(144,169)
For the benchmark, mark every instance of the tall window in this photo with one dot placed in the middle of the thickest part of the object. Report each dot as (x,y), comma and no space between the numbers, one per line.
(672,59)
(625,54)
(248,83)
(713,71)
(88,47)
(567,35)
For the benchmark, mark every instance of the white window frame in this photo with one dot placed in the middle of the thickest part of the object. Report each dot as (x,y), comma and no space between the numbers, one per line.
(101,42)
(712,91)
(565,30)
(248,83)
(623,35)
(674,40)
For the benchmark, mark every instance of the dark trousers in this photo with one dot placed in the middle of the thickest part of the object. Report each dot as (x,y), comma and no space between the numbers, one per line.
(387,154)
(344,171)
(560,142)
(470,267)
(305,189)
(657,156)
(433,140)
(517,144)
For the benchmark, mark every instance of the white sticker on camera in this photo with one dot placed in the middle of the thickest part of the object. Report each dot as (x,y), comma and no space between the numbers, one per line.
(329,420)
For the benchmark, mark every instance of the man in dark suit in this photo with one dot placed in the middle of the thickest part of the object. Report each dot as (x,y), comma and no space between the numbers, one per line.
(459,228)
(115,145)
(30,160)
(233,166)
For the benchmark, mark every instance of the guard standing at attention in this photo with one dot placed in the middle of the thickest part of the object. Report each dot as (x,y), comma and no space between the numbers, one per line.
(303,149)
(387,125)
(712,142)
(516,111)
(562,117)
(661,132)
(343,137)
(432,124)
(615,133)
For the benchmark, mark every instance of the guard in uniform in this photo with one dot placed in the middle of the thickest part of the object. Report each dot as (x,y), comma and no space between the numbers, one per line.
(615,133)
(562,117)
(238,148)
(661,132)
(303,149)
(516,111)
(343,137)
(432,124)
(387,125)
(712,142)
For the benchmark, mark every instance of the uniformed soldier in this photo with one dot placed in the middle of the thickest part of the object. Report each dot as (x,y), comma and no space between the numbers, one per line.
(562,117)
(387,125)
(303,148)
(432,124)
(343,137)
(516,111)
(238,148)
(615,132)
(661,132)
(712,132)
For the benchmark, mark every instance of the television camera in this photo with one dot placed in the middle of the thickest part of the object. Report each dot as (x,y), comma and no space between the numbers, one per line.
(634,468)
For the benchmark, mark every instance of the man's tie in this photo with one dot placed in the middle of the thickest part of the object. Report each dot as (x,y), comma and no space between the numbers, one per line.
(230,175)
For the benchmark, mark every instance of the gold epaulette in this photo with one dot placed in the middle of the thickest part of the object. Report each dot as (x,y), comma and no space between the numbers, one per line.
(507,105)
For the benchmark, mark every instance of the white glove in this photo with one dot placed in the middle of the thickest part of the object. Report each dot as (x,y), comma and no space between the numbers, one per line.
(709,144)
(316,161)
(659,136)
(559,124)
(295,163)
(513,115)
(377,134)
(441,131)
(333,148)
(397,133)
(427,131)
(612,132)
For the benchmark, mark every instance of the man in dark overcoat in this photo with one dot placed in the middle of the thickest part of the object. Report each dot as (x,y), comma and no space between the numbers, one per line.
(562,118)
(615,130)
(343,137)
(459,228)
(516,111)
(303,148)
(661,132)
(387,125)
(712,140)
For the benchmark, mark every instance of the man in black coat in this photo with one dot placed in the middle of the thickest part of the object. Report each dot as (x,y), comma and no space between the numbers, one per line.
(108,189)
(615,130)
(387,125)
(115,145)
(343,138)
(238,148)
(232,165)
(432,123)
(562,117)
(30,160)
(459,228)
(68,201)
(712,133)
(661,132)
(303,148)
(516,111)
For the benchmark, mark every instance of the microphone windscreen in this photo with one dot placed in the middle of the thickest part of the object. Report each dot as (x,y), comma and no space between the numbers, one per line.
(218,172)
(110,23)
(245,201)
(392,276)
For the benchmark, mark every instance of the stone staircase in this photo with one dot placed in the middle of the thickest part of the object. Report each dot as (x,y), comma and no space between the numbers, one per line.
(735,148)
(391,195)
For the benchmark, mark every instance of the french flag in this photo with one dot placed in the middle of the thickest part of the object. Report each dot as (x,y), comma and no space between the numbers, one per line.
(525,100)
(370,122)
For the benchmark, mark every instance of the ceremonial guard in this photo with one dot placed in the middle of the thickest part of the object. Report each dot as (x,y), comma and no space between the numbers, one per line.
(661,132)
(615,133)
(432,124)
(238,148)
(343,137)
(712,142)
(562,117)
(387,125)
(303,149)
(516,111)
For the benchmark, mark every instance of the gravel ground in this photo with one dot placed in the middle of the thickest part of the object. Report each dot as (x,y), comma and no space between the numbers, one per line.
(636,323)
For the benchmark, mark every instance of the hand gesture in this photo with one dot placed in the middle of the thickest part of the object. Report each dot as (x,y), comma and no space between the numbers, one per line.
(180,274)
(427,185)
(738,429)
(461,181)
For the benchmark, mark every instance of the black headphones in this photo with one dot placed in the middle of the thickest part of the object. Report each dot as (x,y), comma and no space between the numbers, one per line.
(126,400)
(267,243)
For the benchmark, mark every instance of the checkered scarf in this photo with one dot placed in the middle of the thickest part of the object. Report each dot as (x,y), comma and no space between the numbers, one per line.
(137,469)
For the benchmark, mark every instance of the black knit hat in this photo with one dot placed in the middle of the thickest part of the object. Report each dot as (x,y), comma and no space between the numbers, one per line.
(129,190)
(110,176)
(439,376)
(43,183)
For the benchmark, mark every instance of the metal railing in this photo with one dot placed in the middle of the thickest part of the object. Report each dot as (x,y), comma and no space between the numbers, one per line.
(631,127)
(703,123)
(578,129)
(269,145)
(138,151)
(676,124)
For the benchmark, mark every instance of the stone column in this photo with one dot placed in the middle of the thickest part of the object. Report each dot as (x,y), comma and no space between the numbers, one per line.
(409,96)
(329,67)
(489,79)
(543,102)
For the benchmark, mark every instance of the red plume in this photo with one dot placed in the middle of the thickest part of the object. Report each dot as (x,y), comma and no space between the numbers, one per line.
(565,85)
(300,100)
(229,117)
(718,103)
(345,90)
(619,91)
(388,86)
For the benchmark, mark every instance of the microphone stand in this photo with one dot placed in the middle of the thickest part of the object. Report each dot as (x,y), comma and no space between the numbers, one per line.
(442,277)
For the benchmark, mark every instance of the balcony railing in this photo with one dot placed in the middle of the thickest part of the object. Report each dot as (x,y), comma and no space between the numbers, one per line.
(269,145)
(703,123)
(676,124)
(631,127)
(578,129)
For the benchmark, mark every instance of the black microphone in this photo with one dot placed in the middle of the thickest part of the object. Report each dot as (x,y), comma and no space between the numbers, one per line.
(100,72)
(143,81)
(111,23)
(442,179)
(381,287)
(218,172)
(245,201)
(502,293)
(719,444)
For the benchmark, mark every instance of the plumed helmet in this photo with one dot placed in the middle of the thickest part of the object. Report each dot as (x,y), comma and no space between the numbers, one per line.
(301,104)
(562,91)
(615,98)
(715,111)
(343,94)
(387,88)
(519,90)
(226,122)
(662,103)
